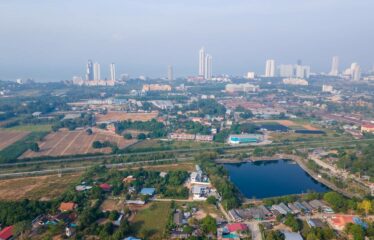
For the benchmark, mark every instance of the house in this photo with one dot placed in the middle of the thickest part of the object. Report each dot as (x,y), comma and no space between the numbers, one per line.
(67,206)
(131,238)
(237,227)
(199,192)
(148,191)
(81,188)
(292,236)
(339,221)
(105,187)
(178,218)
(6,233)
(135,202)
(129,179)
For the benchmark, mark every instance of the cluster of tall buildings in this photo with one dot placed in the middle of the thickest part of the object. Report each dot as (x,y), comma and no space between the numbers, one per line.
(205,64)
(353,72)
(286,70)
(93,75)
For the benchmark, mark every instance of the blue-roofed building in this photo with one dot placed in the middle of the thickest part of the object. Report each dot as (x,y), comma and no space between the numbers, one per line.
(245,138)
(148,191)
(131,238)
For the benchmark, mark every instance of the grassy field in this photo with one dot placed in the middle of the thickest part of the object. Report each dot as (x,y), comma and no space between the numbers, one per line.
(42,187)
(158,144)
(150,223)
(190,166)
(31,128)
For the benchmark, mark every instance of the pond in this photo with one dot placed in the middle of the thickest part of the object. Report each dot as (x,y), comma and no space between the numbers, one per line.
(265,179)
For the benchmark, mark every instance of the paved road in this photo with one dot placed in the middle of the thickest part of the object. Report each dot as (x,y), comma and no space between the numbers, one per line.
(255,230)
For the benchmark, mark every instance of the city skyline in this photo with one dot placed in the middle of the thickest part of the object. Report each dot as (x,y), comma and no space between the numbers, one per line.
(57,55)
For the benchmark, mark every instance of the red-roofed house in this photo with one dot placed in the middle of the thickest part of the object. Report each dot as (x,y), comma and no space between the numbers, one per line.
(237,227)
(105,186)
(6,233)
(67,206)
(338,221)
(367,128)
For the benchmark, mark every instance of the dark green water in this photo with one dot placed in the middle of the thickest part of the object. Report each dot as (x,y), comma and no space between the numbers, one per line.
(265,179)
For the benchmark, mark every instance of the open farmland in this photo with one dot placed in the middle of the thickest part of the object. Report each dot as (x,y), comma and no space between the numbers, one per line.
(290,124)
(65,143)
(43,187)
(9,137)
(122,116)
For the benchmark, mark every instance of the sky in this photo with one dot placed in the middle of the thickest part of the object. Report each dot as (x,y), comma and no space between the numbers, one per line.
(51,40)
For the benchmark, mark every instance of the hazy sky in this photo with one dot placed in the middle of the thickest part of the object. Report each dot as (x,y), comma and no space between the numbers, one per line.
(52,39)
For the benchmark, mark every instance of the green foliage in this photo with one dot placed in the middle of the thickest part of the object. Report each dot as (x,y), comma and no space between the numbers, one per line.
(336,201)
(211,200)
(34,147)
(294,223)
(127,136)
(218,176)
(25,210)
(207,107)
(209,225)
(357,231)
(275,235)
(142,136)
(156,129)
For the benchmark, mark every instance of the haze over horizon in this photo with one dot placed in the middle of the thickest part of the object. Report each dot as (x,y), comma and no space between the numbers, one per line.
(52,40)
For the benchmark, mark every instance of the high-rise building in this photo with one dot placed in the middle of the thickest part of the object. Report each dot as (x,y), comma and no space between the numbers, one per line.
(96,71)
(208,67)
(202,62)
(334,66)
(302,71)
(89,71)
(170,73)
(112,72)
(355,72)
(286,70)
(270,68)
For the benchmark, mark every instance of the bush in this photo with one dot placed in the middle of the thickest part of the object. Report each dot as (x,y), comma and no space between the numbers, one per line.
(127,136)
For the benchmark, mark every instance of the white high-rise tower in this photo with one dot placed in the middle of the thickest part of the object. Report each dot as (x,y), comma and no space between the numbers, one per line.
(96,72)
(202,62)
(270,68)
(208,67)
(170,73)
(334,66)
(112,72)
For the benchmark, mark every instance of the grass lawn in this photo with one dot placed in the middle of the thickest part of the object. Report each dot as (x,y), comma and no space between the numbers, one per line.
(31,128)
(150,223)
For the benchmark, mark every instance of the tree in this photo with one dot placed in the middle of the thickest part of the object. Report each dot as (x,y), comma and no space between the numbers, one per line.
(21,228)
(275,235)
(142,136)
(34,147)
(336,200)
(127,136)
(365,205)
(209,225)
(89,131)
(293,222)
(356,231)
(211,200)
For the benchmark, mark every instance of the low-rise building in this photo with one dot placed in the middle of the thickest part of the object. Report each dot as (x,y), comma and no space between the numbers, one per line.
(245,138)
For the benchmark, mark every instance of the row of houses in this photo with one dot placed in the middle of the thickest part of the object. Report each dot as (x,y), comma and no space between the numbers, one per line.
(191,137)
(262,212)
